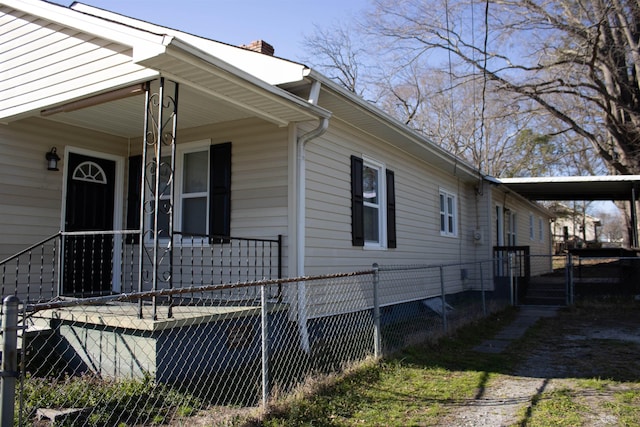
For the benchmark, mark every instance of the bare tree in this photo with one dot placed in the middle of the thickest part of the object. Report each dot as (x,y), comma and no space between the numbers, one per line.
(453,104)
(508,138)
(613,230)
(337,53)
(576,59)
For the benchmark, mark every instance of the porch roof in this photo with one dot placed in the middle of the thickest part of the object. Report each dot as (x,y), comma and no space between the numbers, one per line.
(212,89)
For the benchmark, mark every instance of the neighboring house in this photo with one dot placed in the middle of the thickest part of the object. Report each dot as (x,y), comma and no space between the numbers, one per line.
(573,227)
(251,146)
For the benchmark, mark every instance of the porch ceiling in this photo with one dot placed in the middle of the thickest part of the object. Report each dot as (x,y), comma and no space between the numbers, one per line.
(125,117)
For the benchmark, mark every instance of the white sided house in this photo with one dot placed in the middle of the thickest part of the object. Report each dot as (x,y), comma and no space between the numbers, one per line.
(137,157)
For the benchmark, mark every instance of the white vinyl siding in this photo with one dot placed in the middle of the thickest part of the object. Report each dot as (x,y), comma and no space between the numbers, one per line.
(31,195)
(45,64)
(417,185)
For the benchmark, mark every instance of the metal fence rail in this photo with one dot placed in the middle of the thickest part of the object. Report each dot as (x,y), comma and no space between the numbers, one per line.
(93,361)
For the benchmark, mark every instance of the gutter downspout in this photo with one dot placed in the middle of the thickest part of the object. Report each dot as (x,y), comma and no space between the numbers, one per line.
(301,216)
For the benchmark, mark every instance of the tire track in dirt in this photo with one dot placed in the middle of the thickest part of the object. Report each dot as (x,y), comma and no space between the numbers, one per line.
(574,347)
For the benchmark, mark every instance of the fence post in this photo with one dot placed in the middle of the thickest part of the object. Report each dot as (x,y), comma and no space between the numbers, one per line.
(444,302)
(377,332)
(9,359)
(265,345)
(512,281)
(569,278)
(59,258)
(482,292)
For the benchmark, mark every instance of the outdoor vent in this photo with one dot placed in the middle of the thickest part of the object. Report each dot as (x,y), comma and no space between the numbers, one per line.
(477,236)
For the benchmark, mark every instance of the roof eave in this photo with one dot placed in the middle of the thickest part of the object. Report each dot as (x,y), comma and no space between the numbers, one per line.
(189,54)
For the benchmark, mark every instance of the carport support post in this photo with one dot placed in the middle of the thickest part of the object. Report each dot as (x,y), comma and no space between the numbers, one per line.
(634,218)
(377,332)
(9,359)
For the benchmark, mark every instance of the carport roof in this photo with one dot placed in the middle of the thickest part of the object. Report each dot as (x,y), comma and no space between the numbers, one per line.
(609,187)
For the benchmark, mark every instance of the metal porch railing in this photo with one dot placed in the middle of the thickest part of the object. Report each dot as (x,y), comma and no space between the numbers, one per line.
(89,264)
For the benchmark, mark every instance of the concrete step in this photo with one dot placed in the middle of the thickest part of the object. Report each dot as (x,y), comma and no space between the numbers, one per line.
(548,283)
(544,292)
(596,280)
(551,290)
(548,301)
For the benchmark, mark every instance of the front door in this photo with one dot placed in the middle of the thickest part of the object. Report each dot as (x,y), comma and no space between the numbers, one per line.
(89,208)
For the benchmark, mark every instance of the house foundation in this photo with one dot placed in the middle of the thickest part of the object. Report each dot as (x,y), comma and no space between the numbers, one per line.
(113,343)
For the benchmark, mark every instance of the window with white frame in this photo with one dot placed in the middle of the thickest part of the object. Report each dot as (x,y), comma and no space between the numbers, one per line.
(202,186)
(448,214)
(511,226)
(373,212)
(194,190)
(532,230)
(372,195)
(541,229)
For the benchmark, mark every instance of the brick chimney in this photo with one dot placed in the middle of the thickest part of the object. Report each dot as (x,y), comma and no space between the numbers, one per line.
(260,46)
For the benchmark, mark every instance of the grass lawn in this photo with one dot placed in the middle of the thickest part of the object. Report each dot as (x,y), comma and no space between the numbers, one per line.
(586,377)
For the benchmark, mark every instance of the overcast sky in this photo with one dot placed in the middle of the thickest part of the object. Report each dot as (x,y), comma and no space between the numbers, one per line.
(281,23)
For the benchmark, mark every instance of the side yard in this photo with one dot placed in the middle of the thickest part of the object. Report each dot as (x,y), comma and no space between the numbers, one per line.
(576,369)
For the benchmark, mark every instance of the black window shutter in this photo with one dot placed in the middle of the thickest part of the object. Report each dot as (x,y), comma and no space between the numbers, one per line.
(391,210)
(134,193)
(357,202)
(220,191)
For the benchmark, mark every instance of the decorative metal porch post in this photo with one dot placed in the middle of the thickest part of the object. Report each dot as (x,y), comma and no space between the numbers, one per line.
(157,198)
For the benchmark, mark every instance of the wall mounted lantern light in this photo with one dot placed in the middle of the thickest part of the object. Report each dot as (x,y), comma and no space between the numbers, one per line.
(52,159)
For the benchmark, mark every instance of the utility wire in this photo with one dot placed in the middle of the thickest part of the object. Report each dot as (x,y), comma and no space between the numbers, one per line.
(484,75)
(450,131)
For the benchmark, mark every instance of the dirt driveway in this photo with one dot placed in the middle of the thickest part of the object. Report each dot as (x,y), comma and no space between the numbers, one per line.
(585,358)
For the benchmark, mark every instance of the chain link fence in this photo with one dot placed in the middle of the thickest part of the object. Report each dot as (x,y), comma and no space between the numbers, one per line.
(200,355)
(116,360)
(594,277)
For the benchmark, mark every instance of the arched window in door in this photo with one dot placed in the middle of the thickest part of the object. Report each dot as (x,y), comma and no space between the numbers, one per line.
(90,172)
